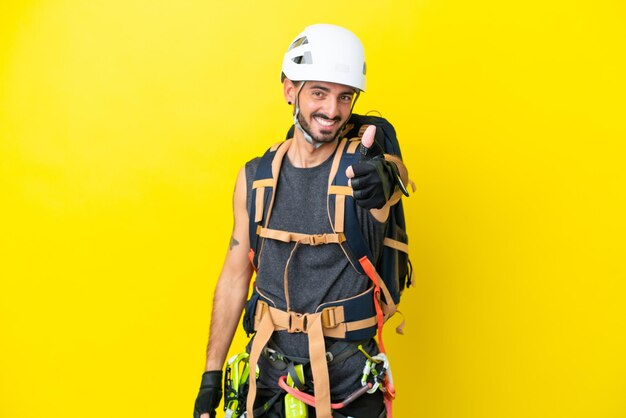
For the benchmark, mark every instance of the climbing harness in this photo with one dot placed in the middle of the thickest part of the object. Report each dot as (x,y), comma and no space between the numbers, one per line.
(376,375)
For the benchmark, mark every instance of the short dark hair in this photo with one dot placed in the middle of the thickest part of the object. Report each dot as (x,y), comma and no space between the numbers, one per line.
(283,77)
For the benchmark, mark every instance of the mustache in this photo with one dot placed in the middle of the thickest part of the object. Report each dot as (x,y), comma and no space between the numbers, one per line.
(323,116)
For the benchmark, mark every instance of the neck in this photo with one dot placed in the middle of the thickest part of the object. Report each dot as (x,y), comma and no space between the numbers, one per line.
(301,154)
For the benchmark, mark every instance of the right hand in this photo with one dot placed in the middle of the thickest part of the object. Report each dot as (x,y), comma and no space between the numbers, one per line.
(209,396)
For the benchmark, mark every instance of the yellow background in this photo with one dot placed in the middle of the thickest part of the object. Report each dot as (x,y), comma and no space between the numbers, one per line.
(122,127)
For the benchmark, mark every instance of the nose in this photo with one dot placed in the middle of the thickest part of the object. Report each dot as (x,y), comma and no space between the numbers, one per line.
(331,108)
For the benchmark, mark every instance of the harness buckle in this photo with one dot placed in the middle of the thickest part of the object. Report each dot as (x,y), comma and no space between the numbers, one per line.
(297,322)
(328,318)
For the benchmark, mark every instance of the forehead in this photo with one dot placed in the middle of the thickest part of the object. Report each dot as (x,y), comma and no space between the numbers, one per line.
(329,87)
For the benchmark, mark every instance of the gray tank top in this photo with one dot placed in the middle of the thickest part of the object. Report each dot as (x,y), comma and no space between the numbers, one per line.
(316,274)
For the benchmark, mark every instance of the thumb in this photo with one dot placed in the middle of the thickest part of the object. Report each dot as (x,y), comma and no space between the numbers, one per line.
(367,140)
(369,148)
(368,137)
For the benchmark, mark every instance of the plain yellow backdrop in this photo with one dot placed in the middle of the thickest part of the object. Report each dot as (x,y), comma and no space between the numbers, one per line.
(123,125)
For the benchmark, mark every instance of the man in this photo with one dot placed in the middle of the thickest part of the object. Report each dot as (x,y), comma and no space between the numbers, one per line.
(323,75)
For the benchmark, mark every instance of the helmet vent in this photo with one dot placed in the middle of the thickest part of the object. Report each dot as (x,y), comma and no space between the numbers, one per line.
(298,42)
(305,58)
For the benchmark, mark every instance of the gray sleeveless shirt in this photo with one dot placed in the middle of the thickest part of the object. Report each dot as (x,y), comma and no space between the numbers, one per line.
(316,274)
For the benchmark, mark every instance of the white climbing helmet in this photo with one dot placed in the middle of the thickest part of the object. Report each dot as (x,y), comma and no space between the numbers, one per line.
(326,53)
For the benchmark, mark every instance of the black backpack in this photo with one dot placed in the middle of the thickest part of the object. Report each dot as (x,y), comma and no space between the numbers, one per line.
(394,265)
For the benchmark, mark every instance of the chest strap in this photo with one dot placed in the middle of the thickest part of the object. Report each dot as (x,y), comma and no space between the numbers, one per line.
(307,239)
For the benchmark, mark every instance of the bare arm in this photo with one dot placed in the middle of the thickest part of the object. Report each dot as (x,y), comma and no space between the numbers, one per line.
(232,287)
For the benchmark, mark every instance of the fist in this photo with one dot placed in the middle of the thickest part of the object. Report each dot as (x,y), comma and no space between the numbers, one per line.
(372,178)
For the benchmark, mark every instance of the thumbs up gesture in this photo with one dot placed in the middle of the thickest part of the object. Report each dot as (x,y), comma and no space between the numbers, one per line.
(373,178)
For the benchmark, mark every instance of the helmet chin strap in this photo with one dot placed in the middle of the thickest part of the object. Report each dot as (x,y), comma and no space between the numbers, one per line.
(305,133)
(307,136)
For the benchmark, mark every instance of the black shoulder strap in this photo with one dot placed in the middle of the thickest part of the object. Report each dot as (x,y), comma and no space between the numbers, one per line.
(262,195)
(342,207)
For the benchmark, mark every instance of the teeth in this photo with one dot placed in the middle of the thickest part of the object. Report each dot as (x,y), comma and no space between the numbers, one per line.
(325,122)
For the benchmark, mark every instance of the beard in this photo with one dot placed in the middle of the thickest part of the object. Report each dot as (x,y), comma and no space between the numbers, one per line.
(325,135)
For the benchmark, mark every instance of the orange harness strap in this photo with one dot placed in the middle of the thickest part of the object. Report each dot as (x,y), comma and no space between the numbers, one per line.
(383,311)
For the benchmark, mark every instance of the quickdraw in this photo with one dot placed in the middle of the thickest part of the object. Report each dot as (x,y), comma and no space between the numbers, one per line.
(236,385)
(377,373)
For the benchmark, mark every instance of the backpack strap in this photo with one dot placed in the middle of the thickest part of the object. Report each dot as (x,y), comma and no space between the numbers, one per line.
(263,193)
(357,249)
(346,220)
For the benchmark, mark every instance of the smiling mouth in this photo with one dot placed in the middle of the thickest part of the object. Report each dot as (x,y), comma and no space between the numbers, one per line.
(325,122)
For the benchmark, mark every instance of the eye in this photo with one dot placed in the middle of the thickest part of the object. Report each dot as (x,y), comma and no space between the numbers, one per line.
(346,98)
(317,93)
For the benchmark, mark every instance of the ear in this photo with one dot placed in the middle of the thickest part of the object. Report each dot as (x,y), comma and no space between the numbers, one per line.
(289,90)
